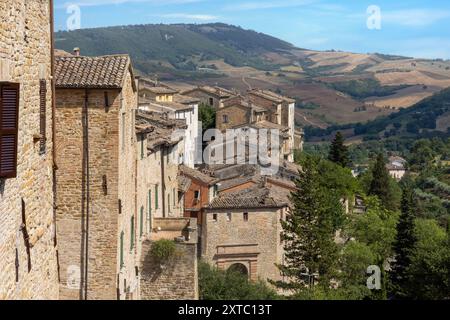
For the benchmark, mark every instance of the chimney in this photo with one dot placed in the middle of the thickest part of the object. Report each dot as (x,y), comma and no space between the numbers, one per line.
(76,52)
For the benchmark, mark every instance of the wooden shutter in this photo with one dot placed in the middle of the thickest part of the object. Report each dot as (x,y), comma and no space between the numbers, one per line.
(9,113)
(42,114)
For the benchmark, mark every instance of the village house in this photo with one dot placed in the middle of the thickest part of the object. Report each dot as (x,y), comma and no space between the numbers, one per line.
(165,100)
(97,209)
(28,247)
(396,167)
(241,230)
(212,96)
(160,154)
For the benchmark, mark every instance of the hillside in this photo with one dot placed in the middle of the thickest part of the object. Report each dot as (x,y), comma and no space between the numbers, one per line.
(331,87)
(427,118)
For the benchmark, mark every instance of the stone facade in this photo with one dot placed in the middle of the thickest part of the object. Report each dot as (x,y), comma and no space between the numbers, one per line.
(231,116)
(229,238)
(105,228)
(28,252)
(178,280)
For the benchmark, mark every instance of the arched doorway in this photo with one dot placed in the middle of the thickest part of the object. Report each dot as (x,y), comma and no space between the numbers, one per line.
(240,268)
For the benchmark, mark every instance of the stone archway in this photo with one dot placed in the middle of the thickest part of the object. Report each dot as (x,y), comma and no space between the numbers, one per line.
(239,267)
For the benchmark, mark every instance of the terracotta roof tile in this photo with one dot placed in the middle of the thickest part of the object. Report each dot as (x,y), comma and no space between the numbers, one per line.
(106,72)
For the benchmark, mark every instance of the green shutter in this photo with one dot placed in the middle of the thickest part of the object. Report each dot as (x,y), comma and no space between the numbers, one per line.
(121,250)
(142,148)
(141,231)
(132,233)
(156,197)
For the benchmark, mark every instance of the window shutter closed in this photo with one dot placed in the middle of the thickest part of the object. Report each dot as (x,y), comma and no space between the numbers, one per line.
(9,111)
(42,114)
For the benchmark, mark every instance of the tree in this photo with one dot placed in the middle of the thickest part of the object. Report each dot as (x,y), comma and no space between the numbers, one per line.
(217,284)
(207,115)
(382,185)
(403,246)
(308,232)
(338,151)
(430,262)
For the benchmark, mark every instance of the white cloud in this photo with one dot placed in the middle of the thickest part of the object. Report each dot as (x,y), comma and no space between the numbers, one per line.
(188,16)
(414,17)
(94,3)
(257,5)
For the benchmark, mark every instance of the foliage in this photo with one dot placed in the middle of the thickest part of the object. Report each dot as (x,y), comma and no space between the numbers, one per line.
(207,115)
(403,246)
(338,151)
(383,186)
(308,232)
(430,262)
(364,88)
(217,284)
(163,250)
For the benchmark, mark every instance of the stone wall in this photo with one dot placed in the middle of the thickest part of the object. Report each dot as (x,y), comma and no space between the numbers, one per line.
(177,280)
(72,192)
(254,243)
(25,58)
(237,115)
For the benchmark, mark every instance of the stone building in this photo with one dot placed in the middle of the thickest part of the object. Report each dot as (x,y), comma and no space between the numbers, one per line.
(281,111)
(165,100)
(28,247)
(160,152)
(213,96)
(97,212)
(241,230)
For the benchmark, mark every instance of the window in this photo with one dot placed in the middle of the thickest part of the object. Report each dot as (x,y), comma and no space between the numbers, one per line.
(215,190)
(106,100)
(225,118)
(156,197)
(174,197)
(121,250)
(211,102)
(168,202)
(42,115)
(142,147)
(123,131)
(245,216)
(9,111)
(229,216)
(141,223)
(197,194)
(132,233)
(215,217)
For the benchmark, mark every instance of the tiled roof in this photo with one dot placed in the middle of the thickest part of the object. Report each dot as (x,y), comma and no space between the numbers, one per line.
(253,197)
(160,90)
(185,99)
(217,91)
(197,174)
(272,96)
(183,183)
(106,72)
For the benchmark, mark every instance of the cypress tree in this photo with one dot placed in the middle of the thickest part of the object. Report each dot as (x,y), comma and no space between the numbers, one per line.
(308,233)
(338,151)
(403,246)
(380,185)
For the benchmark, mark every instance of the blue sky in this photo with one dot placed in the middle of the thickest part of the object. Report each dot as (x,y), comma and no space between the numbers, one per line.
(413,28)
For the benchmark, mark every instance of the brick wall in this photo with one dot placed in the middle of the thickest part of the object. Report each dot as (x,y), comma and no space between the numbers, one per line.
(25,59)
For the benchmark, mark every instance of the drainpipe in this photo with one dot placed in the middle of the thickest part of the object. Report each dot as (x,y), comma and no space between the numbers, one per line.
(87,175)
(54,165)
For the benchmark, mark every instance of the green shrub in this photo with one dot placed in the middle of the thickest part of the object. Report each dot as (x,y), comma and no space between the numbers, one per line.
(163,250)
